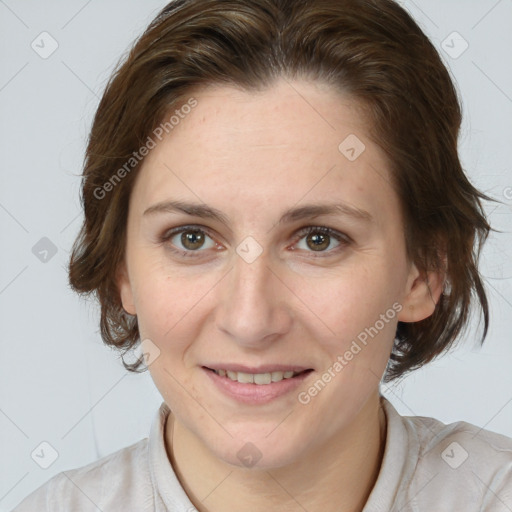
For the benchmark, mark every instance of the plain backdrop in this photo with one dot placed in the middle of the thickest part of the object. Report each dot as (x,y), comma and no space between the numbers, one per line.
(58,384)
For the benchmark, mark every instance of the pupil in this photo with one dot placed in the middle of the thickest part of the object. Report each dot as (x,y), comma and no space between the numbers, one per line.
(192,239)
(319,241)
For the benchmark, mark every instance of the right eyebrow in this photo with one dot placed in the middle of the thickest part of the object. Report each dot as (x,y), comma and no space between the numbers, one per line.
(195,209)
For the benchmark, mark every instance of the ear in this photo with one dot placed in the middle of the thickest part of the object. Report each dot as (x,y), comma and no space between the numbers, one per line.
(422,294)
(125,289)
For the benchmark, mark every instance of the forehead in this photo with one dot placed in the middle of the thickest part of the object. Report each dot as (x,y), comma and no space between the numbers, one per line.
(295,117)
(294,142)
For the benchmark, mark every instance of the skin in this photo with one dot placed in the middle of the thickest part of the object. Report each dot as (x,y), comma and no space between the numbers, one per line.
(253,156)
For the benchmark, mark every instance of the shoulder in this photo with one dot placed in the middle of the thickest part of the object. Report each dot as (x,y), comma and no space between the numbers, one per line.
(458,465)
(122,478)
(457,443)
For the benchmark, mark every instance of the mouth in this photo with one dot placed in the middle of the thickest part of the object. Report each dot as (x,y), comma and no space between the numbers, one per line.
(256,385)
(259,378)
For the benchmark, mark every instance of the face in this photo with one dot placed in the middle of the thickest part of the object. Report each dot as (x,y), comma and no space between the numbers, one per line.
(233,262)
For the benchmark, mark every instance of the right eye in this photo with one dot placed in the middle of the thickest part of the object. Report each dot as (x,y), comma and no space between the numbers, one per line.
(187,240)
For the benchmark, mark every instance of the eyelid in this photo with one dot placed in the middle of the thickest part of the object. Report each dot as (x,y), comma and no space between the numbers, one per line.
(306,230)
(168,233)
(343,239)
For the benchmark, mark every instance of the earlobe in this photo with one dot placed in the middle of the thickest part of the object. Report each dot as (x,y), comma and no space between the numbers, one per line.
(125,290)
(424,292)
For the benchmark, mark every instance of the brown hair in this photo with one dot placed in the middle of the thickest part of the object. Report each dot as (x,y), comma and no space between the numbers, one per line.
(370,49)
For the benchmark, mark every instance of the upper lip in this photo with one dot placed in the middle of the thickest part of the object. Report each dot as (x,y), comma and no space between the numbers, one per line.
(264,368)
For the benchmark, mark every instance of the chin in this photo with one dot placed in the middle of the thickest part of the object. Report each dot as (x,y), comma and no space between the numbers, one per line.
(257,452)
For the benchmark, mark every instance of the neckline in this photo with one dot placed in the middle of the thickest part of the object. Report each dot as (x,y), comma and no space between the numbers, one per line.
(383,496)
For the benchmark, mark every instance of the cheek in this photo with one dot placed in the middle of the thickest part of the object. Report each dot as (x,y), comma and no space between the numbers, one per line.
(361,312)
(353,299)
(169,305)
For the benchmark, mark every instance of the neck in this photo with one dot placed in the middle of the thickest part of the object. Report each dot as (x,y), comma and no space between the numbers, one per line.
(336,476)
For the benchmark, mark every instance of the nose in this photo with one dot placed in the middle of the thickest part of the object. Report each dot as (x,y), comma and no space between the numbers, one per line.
(254,303)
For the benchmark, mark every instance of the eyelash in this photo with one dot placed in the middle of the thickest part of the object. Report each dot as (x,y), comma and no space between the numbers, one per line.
(343,239)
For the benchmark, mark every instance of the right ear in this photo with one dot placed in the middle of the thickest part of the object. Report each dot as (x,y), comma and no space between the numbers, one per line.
(125,289)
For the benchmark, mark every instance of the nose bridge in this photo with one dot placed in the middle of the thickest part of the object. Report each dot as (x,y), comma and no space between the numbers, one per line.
(252,304)
(250,280)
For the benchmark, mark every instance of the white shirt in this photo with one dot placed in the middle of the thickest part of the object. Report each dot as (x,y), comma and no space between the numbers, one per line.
(427,467)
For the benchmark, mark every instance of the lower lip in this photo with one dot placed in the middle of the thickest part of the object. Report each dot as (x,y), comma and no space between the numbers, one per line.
(256,393)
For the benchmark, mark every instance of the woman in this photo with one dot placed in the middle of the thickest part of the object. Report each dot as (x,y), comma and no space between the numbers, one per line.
(275,207)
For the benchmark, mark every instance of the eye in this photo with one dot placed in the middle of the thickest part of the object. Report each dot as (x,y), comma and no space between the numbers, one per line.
(320,238)
(187,240)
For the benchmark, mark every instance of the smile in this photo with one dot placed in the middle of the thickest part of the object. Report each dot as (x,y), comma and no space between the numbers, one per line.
(256,384)
(257,378)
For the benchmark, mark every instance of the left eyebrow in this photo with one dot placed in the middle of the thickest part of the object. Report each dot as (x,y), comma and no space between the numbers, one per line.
(291,215)
(316,210)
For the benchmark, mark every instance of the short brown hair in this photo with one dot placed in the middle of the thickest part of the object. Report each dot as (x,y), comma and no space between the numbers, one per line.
(371,50)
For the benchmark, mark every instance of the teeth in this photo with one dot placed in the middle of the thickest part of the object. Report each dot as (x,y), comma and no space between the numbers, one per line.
(277,376)
(255,378)
(246,378)
(263,378)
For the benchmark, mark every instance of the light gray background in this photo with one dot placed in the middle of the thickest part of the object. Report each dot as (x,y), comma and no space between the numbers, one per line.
(59,384)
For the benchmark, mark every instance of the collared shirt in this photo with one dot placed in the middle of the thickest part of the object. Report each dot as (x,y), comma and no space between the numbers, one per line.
(427,467)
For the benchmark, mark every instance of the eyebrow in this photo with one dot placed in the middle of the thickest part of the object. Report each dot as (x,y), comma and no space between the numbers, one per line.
(291,215)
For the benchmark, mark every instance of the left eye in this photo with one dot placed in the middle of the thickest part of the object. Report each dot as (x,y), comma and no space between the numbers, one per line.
(318,238)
